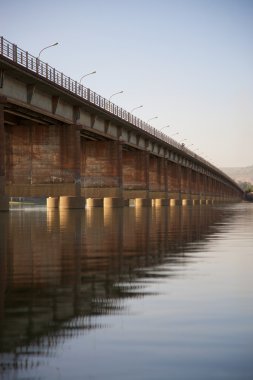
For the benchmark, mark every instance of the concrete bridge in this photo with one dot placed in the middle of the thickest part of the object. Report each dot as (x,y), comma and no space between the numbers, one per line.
(61,140)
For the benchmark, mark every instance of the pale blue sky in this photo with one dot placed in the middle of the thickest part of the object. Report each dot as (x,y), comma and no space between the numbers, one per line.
(188,62)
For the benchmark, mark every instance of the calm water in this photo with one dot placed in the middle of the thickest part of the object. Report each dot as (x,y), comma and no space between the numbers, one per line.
(127,294)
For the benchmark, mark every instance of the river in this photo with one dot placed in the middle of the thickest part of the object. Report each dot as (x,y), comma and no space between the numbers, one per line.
(133,293)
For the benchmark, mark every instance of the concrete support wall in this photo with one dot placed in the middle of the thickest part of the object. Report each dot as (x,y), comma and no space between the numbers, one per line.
(2,152)
(135,174)
(42,160)
(54,160)
(174,176)
(101,169)
(157,177)
(4,205)
(195,185)
(174,180)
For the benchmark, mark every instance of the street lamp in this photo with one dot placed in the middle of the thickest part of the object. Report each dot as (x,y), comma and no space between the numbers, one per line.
(116,93)
(135,108)
(166,126)
(85,75)
(56,43)
(152,118)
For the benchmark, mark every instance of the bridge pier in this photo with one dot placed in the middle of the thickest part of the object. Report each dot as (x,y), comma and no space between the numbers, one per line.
(94,202)
(175,202)
(135,174)
(4,199)
(174,184)
(187,202)
(143,202)
(101,169)
(113,202)
(161,202)
(53,202)
(71,202)
(66,202)
(42,160)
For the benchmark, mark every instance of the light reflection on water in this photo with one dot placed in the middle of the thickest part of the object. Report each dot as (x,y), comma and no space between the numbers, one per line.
(139,293)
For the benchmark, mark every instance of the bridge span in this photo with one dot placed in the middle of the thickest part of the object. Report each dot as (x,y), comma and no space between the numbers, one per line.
(61,140)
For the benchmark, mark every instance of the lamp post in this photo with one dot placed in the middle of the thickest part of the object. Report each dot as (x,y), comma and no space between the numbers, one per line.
(135,108)
(56,43)
(152,118)
(166,126)
(38,58)
(116,93)
(85,75)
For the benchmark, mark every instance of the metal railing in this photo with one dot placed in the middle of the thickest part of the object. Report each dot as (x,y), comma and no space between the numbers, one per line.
(43,70)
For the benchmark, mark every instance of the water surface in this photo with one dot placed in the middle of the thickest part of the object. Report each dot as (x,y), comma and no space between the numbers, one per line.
(146,293)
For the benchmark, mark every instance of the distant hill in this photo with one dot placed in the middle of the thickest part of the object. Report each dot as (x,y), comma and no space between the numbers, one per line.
(244,174)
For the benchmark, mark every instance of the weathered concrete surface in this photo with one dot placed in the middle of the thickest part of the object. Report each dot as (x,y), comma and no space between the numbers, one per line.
(142,202)
(135,165)
(101,169)
(53,202)
(4,201)
(71,202)
(174,177)
(113,202)
(157,174)
(94,202)
(161,202)
(42,160)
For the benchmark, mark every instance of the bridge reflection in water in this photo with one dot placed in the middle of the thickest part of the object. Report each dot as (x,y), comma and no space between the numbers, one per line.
(62,269)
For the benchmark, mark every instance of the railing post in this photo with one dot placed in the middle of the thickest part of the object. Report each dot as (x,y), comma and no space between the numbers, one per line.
(14,53)
(37,65)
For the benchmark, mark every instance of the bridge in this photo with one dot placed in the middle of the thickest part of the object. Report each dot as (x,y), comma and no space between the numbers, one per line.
(61,140)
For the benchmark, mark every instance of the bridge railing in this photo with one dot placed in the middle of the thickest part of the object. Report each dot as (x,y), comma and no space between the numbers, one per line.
(42,69)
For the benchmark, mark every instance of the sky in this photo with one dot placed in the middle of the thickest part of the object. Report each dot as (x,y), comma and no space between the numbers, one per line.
(188,62)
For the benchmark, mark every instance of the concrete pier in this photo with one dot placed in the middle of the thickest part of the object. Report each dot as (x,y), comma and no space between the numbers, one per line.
(143,202)
(94,202)
(71,202)
(53,202)
(113,202)
(161,202)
